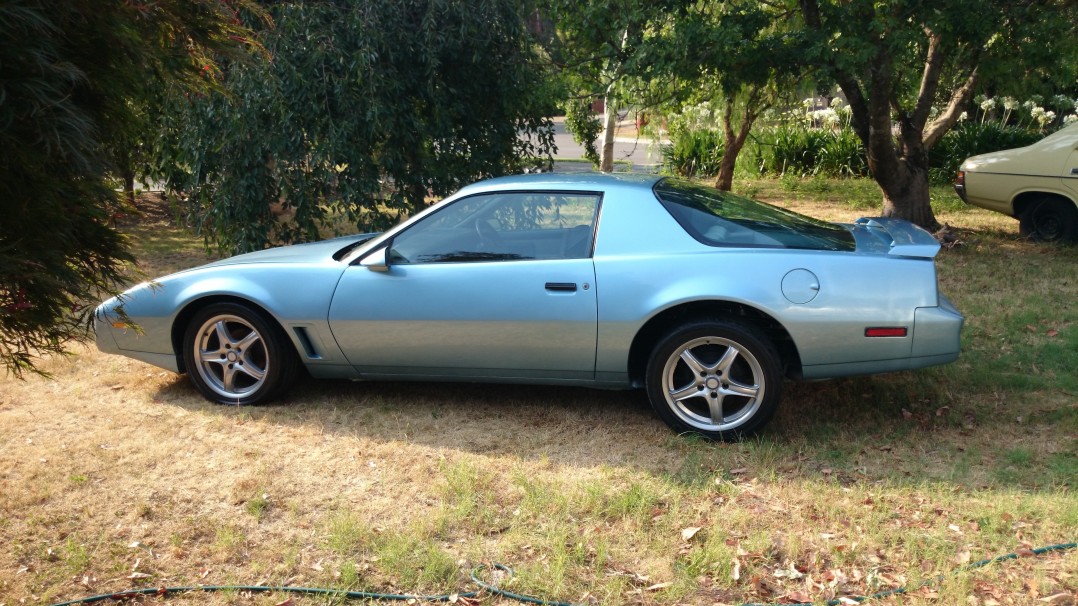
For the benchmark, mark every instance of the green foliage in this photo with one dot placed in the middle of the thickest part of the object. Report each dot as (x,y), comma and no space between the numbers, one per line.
(74,76)
(694,152)
(358,113)
(971,139)
(802,151)
(585,127)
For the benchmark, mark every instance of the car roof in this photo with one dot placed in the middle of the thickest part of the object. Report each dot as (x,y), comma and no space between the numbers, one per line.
(583,181)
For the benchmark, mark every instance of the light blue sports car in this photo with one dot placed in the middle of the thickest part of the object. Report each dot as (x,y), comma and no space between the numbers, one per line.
(705,299)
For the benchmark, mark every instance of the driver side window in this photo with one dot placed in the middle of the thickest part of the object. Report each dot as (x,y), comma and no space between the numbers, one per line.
(513,226)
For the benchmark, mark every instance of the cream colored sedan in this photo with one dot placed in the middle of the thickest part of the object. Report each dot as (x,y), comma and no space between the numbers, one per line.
(1038,185)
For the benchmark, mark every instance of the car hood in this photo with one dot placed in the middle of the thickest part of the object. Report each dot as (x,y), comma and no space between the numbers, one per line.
(296,253)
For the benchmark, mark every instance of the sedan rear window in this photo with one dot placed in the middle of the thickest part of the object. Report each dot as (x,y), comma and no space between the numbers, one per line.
(719,218)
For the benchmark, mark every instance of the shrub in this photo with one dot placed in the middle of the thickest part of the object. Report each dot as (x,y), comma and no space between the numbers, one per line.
(802,151)
(694,152)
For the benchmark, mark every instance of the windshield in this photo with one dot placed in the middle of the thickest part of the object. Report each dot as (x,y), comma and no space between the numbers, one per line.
(719,218)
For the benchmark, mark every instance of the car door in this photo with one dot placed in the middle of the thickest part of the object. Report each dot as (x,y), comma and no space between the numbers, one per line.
(496,285)
(1070,170)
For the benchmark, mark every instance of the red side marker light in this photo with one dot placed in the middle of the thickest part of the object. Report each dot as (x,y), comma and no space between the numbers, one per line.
(886,331)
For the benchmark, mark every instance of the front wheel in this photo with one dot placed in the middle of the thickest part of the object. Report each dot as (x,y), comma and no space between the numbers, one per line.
(719,379)
(235,356)
(1050,220)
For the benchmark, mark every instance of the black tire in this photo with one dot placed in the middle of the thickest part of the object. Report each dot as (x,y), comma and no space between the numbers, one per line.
(733,365)
(234,355)
(1050,220)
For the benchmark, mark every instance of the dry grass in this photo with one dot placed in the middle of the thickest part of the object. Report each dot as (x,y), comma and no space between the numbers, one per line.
(115,468)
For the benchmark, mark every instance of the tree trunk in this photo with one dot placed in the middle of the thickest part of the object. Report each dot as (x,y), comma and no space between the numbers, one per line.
(725,181)
(905,182)
(129,186)
(906,197)
(733,142)
(610,123)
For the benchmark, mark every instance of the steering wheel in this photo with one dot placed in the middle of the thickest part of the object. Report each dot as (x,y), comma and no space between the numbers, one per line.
(488,236)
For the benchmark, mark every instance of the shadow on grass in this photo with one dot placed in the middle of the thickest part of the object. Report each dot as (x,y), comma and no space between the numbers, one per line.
(904,428)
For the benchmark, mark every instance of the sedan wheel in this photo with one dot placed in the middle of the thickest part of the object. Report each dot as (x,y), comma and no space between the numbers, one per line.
(718,379)
(235,357)
(1050,220)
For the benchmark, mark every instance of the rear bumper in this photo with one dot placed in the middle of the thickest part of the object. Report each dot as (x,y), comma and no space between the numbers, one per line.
(936,340)
(961,191)
(937,333)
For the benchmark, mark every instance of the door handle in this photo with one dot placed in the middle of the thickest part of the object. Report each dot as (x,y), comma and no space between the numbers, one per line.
(1074,171)
(561,286)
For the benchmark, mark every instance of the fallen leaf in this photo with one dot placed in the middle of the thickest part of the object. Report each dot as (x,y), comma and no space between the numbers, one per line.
(689,533)
(658,586)
(906,414)
(1059,598)
(138,575)
(738,471)
(942,410)
(963,556)
(788,573)
(287,602)
(954,528)
(1051,333)
(799,597)
(735,570)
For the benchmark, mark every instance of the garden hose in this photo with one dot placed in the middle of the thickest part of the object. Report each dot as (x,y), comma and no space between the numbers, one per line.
(493,589)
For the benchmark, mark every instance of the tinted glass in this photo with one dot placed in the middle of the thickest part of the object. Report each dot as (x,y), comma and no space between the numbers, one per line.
(515,226)
(719,218)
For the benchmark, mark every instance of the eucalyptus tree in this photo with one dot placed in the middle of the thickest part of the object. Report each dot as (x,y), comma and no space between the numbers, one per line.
(909,67)
(74,77)
(739,55)
(611,51)
(356,114)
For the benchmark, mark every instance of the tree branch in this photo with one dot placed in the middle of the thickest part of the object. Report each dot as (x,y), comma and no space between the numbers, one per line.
(949,117)
(929,80)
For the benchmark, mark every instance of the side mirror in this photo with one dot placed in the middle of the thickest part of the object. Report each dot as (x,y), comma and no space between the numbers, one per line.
(377,260)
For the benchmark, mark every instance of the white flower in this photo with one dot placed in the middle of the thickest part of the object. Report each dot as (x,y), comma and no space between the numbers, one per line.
(1009,103)
(963,116)
(808,102)
(1070,119)
(1028,105)
(827,117)
(979,99)
(1061,101)
(988,104)
(836,103)
(1042,117)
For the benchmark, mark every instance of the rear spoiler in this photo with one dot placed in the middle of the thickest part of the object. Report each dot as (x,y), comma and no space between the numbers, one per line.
(904,238)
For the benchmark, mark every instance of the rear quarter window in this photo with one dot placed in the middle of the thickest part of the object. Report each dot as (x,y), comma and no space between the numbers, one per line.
(721,219)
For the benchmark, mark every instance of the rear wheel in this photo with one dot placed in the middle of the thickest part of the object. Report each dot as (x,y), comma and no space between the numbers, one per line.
(719,379)
(1050,220)
(235,356)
